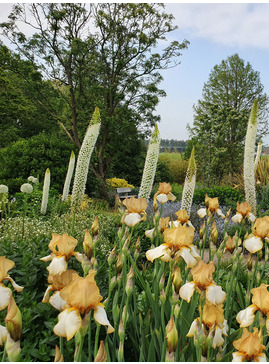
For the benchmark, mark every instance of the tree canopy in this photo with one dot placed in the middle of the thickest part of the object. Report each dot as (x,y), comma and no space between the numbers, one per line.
(99,55)
(221,116)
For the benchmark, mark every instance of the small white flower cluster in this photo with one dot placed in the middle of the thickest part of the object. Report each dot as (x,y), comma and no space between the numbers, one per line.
(69,175)
(249,172)
(3,189)
(26,188)
(189,185)
(84,158)
(150,165)
(45,195)
(32,179)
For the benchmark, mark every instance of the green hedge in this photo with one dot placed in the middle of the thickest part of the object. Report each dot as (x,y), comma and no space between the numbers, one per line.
(33,156)
(227,196)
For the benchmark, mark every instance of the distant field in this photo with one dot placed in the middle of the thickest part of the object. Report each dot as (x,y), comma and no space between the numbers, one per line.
(179,156)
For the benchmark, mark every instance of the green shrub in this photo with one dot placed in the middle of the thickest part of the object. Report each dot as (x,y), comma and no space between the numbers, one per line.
(32,157)
(163,173)
(174,168)
(178,169)
(263,198)
(226,195)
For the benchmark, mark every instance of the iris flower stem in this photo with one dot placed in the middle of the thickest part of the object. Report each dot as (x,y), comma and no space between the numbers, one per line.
(254,273)
(208,221)
(90,340)
(233,291)
(96,342)
(168,285)
(219,259)
(265,262)
(61,343)
(77,356)
(4,355)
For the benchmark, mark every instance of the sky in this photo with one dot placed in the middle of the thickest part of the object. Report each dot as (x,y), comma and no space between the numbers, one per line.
(215,32)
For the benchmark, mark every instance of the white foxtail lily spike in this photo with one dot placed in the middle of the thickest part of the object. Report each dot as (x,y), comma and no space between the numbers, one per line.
(258,155)
(249,173)
(150,165)
(45,195)
(189,185)
(84,157)
(69,175)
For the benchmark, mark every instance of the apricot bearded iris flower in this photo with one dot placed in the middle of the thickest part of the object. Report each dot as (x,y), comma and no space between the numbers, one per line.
(164,193)
(179,241)
(81,295)
(5,292)
(135,211)
(214,325)
(249,347)
(163,225)
(62,247)
(182,218)
(260,302)
(57,283)
(243,211)
(260,231)
(212,205)
(202,275)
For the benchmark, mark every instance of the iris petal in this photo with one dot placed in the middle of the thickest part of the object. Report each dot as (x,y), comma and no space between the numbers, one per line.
(253,244)
(101,317)
(69,322)
(57,266)
(215,294)
(246,317)
(186,291)
(5,294)
(156,252)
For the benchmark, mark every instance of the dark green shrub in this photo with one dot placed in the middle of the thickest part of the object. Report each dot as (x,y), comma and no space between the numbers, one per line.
(163,173)
(178,169)
(227,196)
(32,157)
(263,198)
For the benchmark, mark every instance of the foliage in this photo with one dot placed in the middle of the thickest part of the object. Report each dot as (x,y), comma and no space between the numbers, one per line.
(227,196)
(21,116)
(32,157)
(262,171)
(113,66)
(162,172)
(177,166)
(118,182)
(221,117)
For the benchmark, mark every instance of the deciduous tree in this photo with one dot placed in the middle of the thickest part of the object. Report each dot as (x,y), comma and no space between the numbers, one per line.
(99,55)
(221,117)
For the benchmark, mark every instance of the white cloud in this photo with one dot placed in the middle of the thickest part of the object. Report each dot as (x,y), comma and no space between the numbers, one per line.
(241,25)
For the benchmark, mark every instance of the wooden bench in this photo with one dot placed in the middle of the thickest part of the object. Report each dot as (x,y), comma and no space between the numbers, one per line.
(124,192)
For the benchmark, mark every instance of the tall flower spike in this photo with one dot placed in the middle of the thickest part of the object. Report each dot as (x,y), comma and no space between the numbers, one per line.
(84,157)
(189,184)
(69,175)
(45,196)
(150,164)
(249,173)
(258,155)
